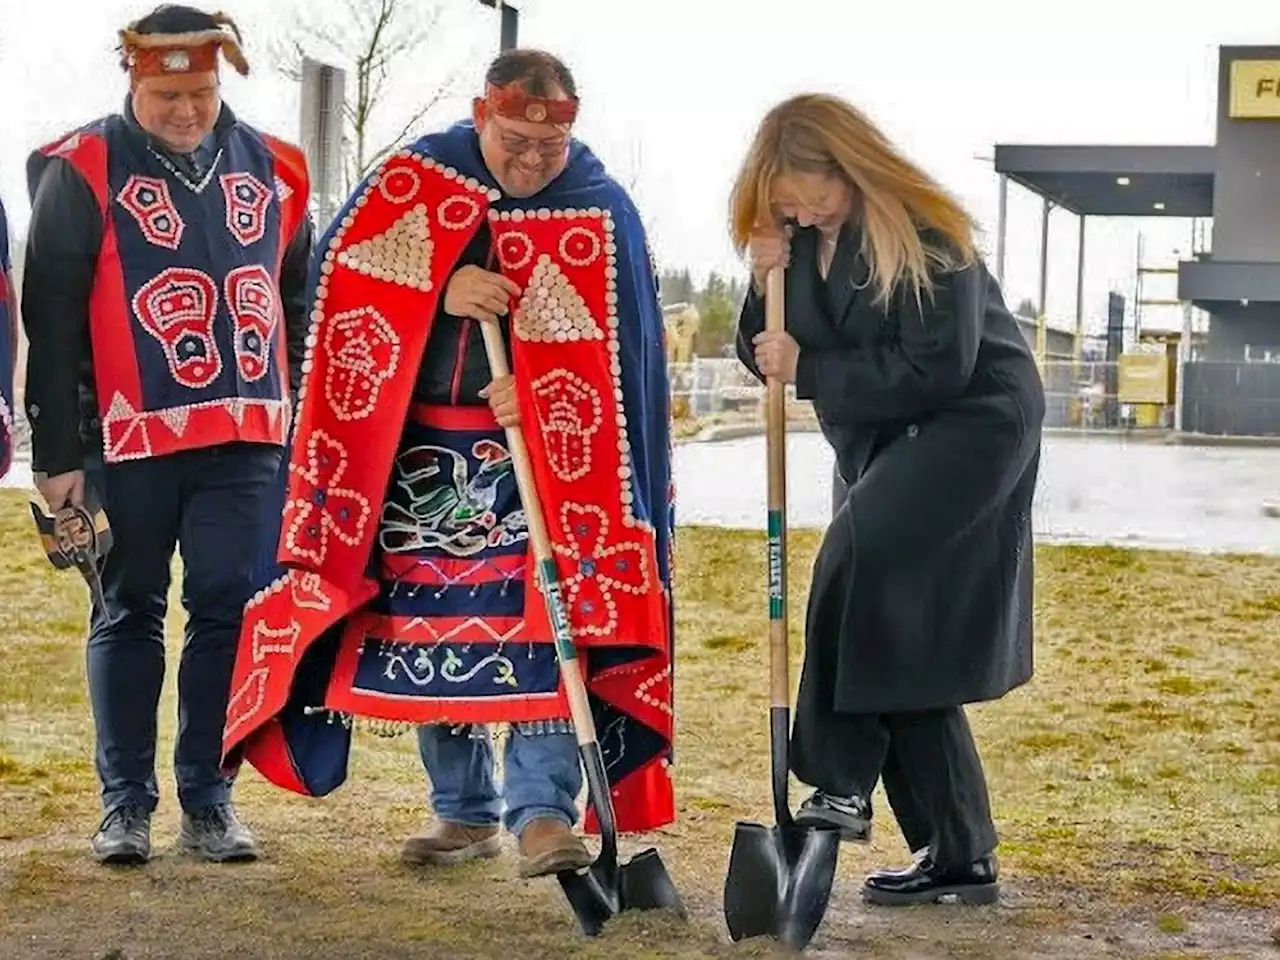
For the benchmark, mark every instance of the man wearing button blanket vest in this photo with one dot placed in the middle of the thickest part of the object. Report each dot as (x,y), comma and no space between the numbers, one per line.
(400,583)
(163,303)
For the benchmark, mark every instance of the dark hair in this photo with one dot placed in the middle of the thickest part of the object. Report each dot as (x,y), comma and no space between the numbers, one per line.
(175,18)
(539,73)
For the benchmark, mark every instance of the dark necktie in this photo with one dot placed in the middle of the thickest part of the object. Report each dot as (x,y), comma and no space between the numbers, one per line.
(192,164)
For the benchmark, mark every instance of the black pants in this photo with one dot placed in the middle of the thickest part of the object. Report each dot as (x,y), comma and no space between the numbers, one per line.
(930,767)
(928,761)
(210,504)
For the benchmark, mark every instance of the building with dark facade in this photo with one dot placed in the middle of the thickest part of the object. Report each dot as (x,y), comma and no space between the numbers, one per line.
(1235,182)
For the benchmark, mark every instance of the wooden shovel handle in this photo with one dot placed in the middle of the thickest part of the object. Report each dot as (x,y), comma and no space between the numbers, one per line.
(776,446)
(566,653)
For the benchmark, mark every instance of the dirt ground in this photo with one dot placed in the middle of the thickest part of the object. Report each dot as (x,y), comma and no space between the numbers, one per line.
(328,892)
(1135,783)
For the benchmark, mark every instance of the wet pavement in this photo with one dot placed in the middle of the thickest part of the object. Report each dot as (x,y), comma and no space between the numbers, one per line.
(1092,490)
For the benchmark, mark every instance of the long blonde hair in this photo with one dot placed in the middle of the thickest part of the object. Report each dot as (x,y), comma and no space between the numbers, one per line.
(818,133)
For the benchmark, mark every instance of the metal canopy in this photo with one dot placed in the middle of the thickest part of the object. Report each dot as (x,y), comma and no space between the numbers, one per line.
(1115,181)
(1208,282)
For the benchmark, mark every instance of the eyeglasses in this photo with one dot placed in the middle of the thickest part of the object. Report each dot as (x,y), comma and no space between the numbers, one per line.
(547,147)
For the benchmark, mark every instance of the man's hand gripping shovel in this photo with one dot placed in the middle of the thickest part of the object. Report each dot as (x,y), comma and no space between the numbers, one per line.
(605,888)
(779,879)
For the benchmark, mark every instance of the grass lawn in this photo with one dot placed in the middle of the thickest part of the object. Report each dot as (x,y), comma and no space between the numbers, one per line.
(1135,784)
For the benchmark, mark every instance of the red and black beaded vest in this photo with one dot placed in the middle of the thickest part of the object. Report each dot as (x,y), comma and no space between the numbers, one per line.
(185,320)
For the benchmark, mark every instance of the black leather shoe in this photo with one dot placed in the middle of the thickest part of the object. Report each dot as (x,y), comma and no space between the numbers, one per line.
(124,836)
(926,882)
(851,814)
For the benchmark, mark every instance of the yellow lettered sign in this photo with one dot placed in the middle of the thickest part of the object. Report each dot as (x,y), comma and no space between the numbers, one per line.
(1145,378)
(1255,90)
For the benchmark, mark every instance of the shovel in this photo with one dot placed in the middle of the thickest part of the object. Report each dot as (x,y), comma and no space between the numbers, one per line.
(605,888)
(779,879)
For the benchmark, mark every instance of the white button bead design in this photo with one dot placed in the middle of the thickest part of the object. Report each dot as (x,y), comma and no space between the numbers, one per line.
(401,255)
(551,310)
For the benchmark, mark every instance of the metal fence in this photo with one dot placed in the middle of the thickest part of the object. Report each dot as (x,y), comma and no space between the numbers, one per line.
(713,385)
(1219,397)
(1080,395)
(1231,398)
(1088,395)
(1237,398)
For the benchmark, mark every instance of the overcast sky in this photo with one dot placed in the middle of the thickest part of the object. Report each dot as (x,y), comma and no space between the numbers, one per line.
(672,90)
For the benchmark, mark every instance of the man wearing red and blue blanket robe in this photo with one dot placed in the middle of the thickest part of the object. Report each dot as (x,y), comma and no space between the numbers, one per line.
(401,585)
(164,304)
(8,347)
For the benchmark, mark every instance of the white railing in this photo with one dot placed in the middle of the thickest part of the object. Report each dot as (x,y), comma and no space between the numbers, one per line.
(713,385)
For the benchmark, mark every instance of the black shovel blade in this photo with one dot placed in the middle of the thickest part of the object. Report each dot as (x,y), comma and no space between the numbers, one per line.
(779,881)
(604,890)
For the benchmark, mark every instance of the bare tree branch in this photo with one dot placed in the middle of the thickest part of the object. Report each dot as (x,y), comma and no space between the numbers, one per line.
(630,181)
(287,59)
(636,164)
(378,43)
(412,122)
(287,53)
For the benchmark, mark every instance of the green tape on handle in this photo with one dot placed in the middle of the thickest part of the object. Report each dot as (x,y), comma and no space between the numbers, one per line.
(777,571)
(559,616)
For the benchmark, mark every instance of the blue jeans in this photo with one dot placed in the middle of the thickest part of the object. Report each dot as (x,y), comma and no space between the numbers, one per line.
(542,774)
(211,505)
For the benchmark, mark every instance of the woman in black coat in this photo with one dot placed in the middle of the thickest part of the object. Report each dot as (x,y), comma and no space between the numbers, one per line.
(921,599)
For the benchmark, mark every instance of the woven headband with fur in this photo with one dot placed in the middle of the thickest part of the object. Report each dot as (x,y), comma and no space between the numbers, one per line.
(228,41)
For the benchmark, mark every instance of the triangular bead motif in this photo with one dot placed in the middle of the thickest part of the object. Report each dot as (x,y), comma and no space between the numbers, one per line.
(551,310)
(400,255)
(120,409)
(130,442)
(175,418)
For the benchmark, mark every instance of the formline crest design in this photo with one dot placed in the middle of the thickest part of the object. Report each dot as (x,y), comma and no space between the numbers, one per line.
(255,314)
(178,307)
(434,607)
(247,199)
(148,201)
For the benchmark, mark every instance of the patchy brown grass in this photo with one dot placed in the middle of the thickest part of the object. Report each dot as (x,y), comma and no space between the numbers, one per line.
(1135,785)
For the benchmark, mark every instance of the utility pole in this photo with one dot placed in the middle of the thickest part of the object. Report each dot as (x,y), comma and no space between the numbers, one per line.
(510,22)
(323,95)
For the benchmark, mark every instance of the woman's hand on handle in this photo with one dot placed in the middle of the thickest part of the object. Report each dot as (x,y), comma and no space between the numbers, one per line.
(769,246)
(777,355)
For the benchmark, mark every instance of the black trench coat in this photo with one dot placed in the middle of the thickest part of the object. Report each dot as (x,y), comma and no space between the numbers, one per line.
(922,590)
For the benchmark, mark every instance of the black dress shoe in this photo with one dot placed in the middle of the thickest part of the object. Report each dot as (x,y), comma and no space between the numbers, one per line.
(851,814)
(926,882)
